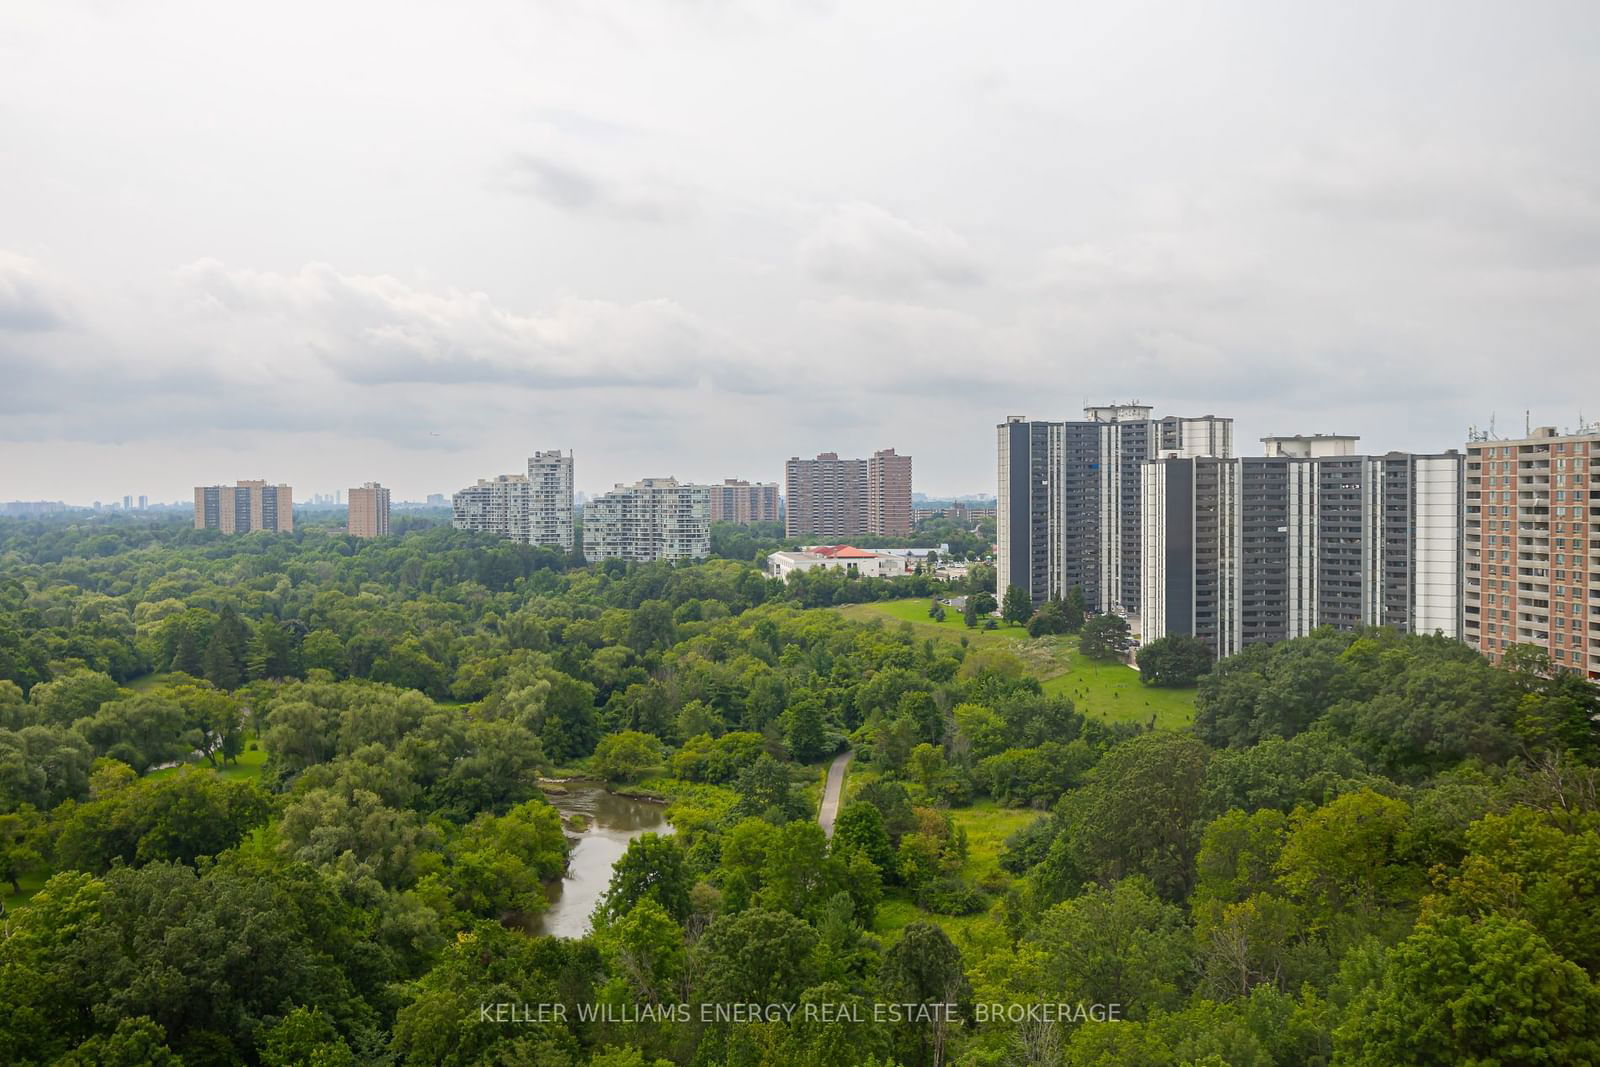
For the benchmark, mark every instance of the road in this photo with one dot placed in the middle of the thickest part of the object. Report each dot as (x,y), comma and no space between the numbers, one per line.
(830,795)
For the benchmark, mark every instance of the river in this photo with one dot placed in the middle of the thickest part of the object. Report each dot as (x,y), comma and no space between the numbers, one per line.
(613,822)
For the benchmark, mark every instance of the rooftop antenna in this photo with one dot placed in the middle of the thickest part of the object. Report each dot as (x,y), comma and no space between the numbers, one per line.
(1527,423)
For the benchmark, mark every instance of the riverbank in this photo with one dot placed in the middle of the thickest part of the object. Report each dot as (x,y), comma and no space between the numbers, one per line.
(603,822)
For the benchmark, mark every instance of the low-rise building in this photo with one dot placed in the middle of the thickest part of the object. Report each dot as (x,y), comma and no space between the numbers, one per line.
(839,557)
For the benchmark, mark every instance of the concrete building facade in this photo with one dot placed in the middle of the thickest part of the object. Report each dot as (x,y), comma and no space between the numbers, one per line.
(1532,546)
(244,507)
(743,502)
(889,494)
(825,497)
(846,558)
(534,508)
(369,511)
(653,519)
(550,517)
(496,506)
(1068,509)
(1264,548)
(835,498)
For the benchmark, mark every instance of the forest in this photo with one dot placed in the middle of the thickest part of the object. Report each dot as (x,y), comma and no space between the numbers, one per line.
(286,799)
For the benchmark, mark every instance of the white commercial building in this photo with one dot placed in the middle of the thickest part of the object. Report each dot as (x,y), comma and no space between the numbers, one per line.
(887,564)
(653,519)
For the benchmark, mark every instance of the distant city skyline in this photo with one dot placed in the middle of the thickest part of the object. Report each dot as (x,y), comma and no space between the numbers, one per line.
(314,478)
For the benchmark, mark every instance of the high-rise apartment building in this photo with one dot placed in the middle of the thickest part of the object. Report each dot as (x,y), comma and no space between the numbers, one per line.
(533,508)
(836,499)
(1029,508)
(1532,546)
(550,510)
(144,502)
(497,505)
(889,494)
(743,502)
(653,519)
(825,497)
(1264,548)
(369,511)
(1068,509)
(244,507)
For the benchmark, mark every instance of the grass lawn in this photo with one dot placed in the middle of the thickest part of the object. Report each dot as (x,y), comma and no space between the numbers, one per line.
(916,613)
(988,825)
(248,765)
(1110,692)
(31,884)
(146,682)
(896,912)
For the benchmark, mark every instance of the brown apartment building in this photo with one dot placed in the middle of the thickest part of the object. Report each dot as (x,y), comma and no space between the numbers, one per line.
(889,494)
(744,502)
(369,511)
(1532,547)
(244,507)
(835,499)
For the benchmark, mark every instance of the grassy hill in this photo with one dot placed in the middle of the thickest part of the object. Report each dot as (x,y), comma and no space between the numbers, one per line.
(1110,692)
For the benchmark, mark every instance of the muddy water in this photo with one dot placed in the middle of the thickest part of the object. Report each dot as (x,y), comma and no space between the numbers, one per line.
(613,822)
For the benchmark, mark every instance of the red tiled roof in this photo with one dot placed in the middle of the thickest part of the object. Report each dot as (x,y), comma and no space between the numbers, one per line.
(842,552)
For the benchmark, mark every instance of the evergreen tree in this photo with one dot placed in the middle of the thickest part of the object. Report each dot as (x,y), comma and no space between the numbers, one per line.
(1076,608)
(924,967)
(1016,608)
(1103,636)
(220,666)
(233,632)
(272,651)
(186,655)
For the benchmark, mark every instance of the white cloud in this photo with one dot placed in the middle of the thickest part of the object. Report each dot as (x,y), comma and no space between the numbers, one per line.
(860,246)
(377,329)
(730,234)
(569,187)
(30,299)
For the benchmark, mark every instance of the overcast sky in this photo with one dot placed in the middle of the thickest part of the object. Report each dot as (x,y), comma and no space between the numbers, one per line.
(332,242)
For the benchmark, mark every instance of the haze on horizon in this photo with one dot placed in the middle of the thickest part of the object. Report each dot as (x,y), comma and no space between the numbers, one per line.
(334,243)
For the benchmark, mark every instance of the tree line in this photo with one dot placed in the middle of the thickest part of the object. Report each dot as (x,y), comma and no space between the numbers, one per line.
(1359,830)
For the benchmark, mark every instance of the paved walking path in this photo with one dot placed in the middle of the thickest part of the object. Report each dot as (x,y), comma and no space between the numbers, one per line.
(830,795)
